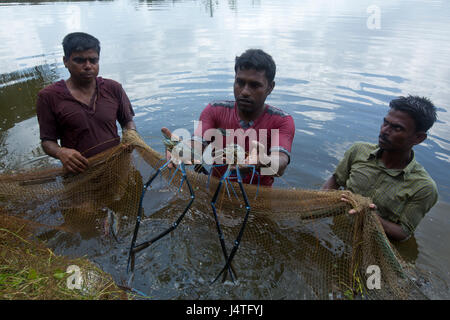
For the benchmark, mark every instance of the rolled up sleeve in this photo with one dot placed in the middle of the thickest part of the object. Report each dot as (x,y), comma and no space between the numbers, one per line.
(47,122)
(417,207)
(343,168)
(125,113)
(286,132)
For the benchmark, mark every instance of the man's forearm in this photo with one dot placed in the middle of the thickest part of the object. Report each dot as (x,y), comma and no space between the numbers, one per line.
(51,148)
(331,184)
(130,125)
(274,165)
(283,161)
(71,159)
(393,230)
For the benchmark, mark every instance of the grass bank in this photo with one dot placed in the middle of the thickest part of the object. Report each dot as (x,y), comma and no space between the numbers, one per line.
(30,271)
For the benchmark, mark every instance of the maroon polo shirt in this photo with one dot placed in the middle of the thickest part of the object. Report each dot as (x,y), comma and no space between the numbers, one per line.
(224,114)
(79,126)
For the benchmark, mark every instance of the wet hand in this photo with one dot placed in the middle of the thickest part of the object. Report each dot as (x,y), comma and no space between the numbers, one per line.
(127,147)
(346,198)
(72,160)
(257,156)
(168,135)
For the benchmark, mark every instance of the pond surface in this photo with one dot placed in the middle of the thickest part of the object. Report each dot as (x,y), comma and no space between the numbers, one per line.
(338,66)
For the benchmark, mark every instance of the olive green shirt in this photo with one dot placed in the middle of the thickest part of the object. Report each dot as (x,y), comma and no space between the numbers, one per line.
(402,196)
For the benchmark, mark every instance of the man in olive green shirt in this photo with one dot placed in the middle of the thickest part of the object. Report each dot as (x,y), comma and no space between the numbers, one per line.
(401,190)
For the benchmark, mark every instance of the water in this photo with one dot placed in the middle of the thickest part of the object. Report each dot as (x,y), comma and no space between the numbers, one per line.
(335,76)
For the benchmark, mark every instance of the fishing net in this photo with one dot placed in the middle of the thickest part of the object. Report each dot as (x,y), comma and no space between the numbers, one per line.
(306,233)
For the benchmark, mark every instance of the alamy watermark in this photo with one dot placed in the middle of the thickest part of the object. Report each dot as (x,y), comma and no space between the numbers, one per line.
(373,22)
(75,279)
(374,279)
(81,281)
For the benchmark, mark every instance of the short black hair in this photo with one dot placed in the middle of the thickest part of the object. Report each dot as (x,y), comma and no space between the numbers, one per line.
(258,60)
(421,109)
(79,41)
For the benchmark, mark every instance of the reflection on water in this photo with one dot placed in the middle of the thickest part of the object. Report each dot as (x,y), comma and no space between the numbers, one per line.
(335,76)
(18,93)
(19,131)
(37,2)
(210,6)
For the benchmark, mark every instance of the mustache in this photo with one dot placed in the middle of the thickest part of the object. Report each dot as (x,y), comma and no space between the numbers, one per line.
(384,138)
(245,100)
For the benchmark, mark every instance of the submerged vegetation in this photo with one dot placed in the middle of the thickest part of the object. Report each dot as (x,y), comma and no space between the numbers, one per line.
(30,271)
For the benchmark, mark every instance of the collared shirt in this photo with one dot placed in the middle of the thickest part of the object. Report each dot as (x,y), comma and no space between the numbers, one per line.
(89,129)
(275,129)
(402,196)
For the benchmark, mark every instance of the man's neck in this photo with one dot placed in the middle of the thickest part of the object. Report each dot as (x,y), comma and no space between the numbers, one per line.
(247,117)
(82,92)
(396,160)
(81,86)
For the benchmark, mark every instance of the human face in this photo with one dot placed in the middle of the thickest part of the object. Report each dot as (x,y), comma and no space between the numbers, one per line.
(83,65)
(251,89)
(398,132)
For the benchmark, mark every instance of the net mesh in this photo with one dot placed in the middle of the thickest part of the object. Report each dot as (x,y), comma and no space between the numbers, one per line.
(335,254)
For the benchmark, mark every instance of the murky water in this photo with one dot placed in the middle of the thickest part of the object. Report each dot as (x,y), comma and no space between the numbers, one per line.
(336,73)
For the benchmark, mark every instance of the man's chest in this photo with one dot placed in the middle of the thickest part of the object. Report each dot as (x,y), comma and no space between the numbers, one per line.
(73,113)
(390,192)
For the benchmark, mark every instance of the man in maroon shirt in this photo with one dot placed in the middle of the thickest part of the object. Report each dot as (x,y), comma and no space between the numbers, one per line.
(249,119)
(247,122)
(82,111)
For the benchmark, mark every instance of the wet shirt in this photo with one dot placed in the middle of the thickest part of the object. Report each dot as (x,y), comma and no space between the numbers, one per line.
(275,129)
(402,196)
(89,129)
